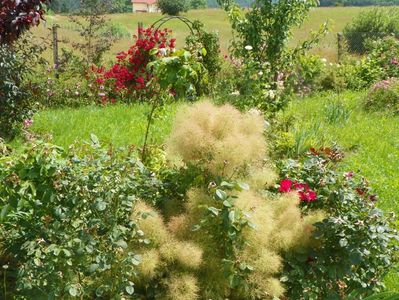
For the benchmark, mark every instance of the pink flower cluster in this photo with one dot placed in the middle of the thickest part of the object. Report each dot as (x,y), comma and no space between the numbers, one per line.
(383,84)
(303,190)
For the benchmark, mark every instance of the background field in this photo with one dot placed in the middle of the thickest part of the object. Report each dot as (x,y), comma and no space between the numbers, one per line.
(214,20)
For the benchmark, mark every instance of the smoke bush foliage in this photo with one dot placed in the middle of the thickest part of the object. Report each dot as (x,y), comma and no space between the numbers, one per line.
(241,232)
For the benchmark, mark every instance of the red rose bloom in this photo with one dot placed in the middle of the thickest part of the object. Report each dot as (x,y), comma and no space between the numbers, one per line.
(285,186)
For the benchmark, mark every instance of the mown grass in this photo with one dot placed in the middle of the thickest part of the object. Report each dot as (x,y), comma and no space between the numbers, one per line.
(119,125)
(370,140)
(214,20)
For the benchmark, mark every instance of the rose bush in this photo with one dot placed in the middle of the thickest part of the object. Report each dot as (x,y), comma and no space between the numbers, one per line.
(353,248)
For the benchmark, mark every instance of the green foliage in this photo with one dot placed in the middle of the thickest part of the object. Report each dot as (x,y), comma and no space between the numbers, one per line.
(17,63)
(261,47)
(66,86)
(208,41)
(65,224)
(380,63)
(97,37)
(384,95)
(371,25)
(181,73)
(173,7)
(198,4)
(15,107)
(354,247)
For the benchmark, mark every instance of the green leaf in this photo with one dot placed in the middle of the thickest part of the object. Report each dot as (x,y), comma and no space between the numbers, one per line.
(73,291)
(93,267)
(232,216)
(204,52)
(122,244)
(101,205)
(343,242)
(214,210)
(221,194)
(130,290)
(94,139)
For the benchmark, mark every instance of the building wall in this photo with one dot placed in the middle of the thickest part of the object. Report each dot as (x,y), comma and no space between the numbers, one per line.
(139,7)
(153,8)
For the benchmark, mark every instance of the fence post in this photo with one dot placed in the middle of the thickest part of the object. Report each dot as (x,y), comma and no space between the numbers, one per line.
(140,28)
(340,39)
(55,48)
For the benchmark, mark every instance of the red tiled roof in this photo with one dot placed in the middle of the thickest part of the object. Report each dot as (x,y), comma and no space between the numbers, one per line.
(145,1)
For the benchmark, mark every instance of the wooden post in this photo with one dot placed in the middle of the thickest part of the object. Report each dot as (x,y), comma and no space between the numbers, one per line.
(55,48)
(340,41)
(140,28)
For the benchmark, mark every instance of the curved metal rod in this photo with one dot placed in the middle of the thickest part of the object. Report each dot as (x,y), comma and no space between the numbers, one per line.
(157,24)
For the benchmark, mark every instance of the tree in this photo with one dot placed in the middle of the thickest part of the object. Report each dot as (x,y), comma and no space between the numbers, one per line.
(173,7)
(198,4)
(18,16)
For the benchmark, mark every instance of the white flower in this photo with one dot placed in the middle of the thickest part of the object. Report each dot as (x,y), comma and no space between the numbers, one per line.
(248,47)
(270,94)
(323,60)
(162,51)
(236,93)
(260,73)
(255,112)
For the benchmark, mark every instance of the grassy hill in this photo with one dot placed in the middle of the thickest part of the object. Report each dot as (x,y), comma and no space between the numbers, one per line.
(214,20)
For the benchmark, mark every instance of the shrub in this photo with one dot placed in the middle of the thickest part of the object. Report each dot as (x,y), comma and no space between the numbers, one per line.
(370,25)
(261,48)
(208,41)
(173,7)
(152,68)
(354,248)
(18,16)
(17,63)
(383,95)
(96,33)
(66,229)
(66,86)
(198,4)
(241,232)
(130,77)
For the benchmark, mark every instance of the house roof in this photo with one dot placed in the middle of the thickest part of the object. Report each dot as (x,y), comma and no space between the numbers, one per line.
(145,1)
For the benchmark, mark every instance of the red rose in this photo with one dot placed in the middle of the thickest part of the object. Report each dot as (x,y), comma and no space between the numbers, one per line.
(285,186)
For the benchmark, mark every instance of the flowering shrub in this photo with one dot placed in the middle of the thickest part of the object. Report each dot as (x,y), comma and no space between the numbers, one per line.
(353,248)
(130,77)
(383,95)
(18,16)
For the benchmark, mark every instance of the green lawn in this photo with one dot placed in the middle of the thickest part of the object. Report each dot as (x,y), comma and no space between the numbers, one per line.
(121,125)
(214,20)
